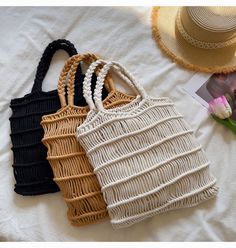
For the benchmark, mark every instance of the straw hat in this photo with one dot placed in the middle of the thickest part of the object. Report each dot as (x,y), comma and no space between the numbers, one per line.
(198,38)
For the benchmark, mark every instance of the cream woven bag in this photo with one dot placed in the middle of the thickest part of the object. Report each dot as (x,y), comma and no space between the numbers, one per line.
(144,154)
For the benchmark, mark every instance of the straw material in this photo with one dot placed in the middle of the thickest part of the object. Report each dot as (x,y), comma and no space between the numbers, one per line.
(183,50)
(144,154)
(72,170)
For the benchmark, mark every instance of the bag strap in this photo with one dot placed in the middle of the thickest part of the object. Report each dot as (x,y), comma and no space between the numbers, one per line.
(46,59)
(87,93)
(120,70)
(70,70)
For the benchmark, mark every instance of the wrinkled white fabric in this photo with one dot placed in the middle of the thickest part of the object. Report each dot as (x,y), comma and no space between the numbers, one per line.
(122,34)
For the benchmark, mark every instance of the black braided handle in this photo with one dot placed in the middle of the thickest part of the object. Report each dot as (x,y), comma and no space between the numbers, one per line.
(46,59)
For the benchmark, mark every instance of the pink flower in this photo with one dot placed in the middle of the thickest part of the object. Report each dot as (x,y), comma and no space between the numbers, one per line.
(220,107)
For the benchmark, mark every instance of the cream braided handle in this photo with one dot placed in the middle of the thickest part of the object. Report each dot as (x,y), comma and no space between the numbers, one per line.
(87,84)
(87,93)
(123,73)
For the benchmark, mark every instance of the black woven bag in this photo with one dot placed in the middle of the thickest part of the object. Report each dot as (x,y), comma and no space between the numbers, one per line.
(32,171)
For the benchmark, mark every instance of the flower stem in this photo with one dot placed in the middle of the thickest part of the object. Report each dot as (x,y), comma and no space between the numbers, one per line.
(231,124)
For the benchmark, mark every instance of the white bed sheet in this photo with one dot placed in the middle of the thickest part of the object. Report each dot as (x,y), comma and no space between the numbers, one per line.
(123,34)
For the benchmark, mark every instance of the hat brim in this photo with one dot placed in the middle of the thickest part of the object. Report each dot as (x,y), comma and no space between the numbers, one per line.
(170,41)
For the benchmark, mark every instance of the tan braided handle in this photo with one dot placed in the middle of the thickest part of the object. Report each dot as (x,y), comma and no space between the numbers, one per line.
(69,70)
(62,80)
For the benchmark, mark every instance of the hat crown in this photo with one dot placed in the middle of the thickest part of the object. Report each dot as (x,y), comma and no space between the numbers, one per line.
(208,27)
(214,18)
(190,44)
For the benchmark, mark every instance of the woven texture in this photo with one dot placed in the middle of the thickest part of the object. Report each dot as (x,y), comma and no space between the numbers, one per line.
(32,172)
(72,170)
(199,43)
(166,32)
(144,154)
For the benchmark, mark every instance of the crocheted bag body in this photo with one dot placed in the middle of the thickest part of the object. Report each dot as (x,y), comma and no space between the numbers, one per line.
(145,155)
(32,172)
(72,170)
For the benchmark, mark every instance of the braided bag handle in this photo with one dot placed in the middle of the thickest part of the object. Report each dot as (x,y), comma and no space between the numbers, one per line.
(120,70)
(70,70)
(87,84)
(46,59)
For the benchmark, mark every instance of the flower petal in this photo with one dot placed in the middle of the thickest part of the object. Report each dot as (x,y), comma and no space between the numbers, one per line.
(220,107)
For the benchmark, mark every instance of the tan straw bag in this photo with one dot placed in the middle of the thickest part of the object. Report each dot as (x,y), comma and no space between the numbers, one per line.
(71,168)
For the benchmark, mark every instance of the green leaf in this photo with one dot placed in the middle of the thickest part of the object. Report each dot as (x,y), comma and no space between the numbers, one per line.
(231,124)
